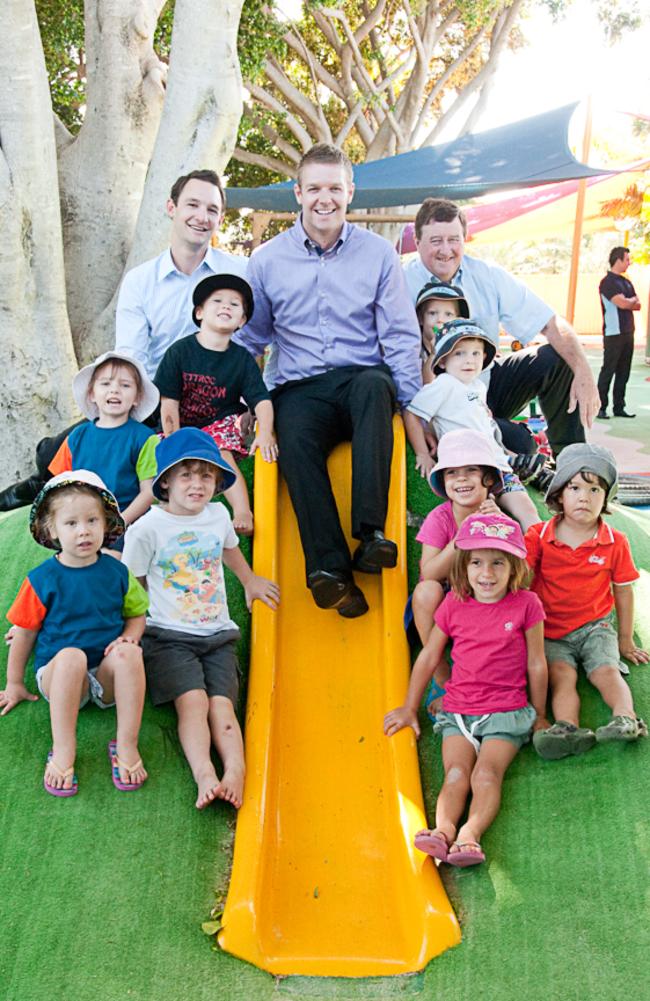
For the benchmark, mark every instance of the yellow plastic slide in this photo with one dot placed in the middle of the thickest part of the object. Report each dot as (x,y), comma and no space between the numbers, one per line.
(325,880)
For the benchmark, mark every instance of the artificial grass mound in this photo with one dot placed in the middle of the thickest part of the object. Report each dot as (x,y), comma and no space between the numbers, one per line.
(103,894)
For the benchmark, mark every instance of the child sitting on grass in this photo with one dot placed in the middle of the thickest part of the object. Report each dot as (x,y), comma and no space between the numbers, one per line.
(85,612)
(204,377)
(495,626)
(457,399)
(178,551)
(115,394)
(578,560)
(464,475)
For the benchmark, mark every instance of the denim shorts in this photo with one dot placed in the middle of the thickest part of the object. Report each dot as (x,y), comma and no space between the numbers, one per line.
(515,725)
(176,662)
(593,645)
(94,693)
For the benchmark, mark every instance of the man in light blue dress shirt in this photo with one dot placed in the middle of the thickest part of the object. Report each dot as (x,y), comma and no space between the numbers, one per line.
(331,299)
(154,307)
(557,373)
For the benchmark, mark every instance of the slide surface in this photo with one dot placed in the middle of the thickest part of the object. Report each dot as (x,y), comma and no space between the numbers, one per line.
(325,879)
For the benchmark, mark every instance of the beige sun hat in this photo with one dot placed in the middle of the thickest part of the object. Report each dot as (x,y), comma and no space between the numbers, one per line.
(149,397)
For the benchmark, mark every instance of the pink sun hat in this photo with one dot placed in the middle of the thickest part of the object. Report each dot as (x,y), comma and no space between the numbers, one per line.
(466,447)
(491,531)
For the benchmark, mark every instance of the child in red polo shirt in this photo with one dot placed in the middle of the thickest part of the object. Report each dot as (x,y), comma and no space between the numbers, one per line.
(583,568)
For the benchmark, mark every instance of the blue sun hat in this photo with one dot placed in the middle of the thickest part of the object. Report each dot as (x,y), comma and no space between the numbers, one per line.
(186,444)
(115,526)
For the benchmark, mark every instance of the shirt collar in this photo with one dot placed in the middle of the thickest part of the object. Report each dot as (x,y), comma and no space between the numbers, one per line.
(308,244)
(166,265)
(602,537)
(430,275)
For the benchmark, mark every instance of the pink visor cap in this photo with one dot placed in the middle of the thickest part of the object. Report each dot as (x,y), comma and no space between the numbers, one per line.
(491,531)
(465,447)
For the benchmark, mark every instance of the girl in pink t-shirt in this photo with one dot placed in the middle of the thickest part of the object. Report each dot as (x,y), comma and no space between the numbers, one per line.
(496,695)
(465,473)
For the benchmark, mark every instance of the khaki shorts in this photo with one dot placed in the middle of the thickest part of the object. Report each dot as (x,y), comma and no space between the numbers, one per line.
(593,645)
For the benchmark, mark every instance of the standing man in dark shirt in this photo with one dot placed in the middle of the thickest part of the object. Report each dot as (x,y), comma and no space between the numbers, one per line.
(619,302)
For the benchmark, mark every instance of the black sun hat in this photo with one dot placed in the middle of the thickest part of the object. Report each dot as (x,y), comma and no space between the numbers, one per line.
(214,282)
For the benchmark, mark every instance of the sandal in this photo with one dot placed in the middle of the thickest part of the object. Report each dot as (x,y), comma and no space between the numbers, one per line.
(63,774)
(625,728)
(116,764)
(434,843)
(467,853)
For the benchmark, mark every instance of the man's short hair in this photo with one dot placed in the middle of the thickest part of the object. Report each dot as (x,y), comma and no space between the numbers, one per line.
(210,176)
(617,254)
(438,210)
(326,153)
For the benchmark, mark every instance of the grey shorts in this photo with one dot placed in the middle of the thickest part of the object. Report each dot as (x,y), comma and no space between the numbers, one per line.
(515,725)
(593,645)
(177,662)
(94,692)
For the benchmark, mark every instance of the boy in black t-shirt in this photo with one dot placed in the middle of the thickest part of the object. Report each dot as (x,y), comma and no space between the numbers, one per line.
(203,379)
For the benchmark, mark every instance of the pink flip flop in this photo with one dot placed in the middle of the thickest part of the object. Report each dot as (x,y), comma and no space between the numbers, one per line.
(115,770)
(53,791)
(432,843)
(464,857)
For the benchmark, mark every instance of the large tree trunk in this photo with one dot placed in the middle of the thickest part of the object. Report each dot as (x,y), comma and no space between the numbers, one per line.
(37,355)
(199,123)
(102,171)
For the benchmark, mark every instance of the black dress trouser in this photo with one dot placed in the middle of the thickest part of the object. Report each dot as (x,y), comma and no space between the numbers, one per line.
(536,372)
(618,350)
(354,403)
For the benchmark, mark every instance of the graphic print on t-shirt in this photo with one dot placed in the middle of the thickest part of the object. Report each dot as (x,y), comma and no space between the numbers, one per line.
(200,398)
(192,575)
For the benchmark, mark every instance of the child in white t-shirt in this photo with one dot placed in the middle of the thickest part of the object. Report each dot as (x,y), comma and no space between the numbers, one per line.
(178,550)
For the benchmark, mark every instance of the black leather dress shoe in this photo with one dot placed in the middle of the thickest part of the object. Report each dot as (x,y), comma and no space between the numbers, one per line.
(375,553)
(20,494)
(623,413)
(602,415)
(334,589)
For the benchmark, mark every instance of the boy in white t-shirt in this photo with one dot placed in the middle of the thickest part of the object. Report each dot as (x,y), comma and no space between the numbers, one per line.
(457,400)
(177,550)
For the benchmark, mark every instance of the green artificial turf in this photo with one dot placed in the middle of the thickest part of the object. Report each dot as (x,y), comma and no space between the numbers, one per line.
(103,895)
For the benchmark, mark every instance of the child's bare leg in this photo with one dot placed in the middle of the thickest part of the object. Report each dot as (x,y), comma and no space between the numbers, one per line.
(426,597)
(64,682)
(520,507)
(614,690)
(227,737)
(194,733)
(487,779)
(458,758)
(122,677)
(565,701)
(237,497)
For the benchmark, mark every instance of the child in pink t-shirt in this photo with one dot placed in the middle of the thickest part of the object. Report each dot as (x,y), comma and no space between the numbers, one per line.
(465,473)
(496,627)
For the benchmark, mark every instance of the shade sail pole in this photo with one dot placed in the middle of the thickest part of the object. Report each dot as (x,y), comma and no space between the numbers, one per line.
(580,212)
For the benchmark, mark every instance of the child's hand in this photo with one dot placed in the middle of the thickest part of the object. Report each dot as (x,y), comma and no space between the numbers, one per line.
(267,445)
(635,654)
(120,639)
(264,590)
(432,442)
(397,719)
(489,506)
(12,695)
(423,464)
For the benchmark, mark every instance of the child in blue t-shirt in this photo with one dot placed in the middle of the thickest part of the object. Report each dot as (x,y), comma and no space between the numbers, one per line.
(84,613)
(115,394)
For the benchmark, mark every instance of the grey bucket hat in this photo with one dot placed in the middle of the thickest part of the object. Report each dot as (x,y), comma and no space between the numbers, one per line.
(588,458)
(453,332)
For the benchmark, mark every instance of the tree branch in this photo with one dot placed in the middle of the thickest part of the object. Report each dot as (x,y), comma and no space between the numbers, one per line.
(302,105)
(266,161)
(271,102)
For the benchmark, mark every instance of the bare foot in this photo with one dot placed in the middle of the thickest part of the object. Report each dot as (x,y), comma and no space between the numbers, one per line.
(209,788)
(232,785)
(243,521)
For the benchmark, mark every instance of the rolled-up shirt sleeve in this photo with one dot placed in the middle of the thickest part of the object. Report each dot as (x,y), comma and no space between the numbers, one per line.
(398,329)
